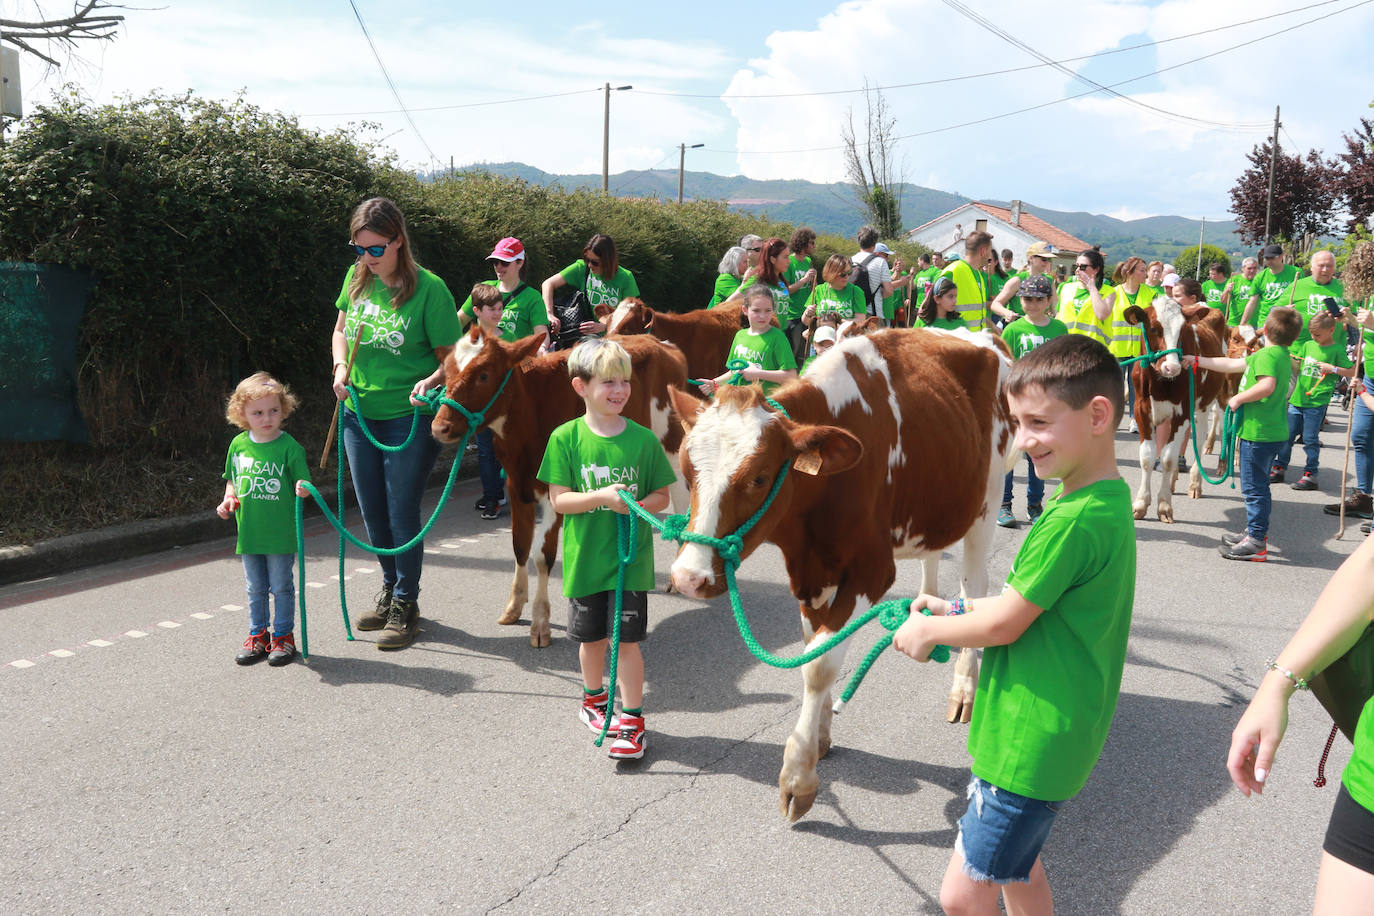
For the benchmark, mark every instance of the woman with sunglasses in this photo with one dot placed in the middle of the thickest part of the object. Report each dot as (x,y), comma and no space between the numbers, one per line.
(1085,303)
(397,322)
(522,314)
(599,275)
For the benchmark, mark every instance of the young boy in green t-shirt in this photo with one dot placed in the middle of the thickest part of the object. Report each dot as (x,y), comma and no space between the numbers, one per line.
(1055,638)
(587,463)
(1319,361)
(1261,404)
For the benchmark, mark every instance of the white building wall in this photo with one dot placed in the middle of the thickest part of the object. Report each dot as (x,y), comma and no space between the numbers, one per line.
(940,234)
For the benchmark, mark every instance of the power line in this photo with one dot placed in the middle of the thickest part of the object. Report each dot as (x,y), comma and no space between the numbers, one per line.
(528,98)
(387,76)
(973,76)
(1069,98)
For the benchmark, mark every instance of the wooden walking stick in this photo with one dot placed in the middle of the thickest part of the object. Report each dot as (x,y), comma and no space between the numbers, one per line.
(334,423)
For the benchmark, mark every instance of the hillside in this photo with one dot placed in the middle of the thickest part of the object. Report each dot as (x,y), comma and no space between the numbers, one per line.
(832,207)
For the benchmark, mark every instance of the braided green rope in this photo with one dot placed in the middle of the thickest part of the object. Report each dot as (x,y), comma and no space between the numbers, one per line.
(1230,425)
(627,529)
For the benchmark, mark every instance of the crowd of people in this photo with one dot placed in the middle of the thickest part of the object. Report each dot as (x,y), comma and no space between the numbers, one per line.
(1071,340)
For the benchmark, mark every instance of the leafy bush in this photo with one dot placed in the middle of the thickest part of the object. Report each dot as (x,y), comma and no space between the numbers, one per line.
(1186,262)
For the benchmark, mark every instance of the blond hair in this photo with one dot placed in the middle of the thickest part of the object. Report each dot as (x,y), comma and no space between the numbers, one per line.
(596,357)
(257,385)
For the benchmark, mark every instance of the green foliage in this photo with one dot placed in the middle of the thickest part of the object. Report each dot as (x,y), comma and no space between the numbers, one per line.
(1187,261)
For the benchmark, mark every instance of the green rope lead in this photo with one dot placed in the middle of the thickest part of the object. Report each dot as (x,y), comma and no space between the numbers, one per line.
(1230,427)
(627,531)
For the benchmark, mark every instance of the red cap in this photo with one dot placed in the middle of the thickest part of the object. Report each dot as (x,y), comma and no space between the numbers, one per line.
(508,249)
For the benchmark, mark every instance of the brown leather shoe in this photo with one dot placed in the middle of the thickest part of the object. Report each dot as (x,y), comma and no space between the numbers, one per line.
(375,619)
(402,623)
(1357,504)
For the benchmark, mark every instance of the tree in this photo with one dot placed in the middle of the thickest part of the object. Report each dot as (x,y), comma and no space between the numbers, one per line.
(1356,180)
(89,21)
(1186,264)
(870,165)
(1305,196)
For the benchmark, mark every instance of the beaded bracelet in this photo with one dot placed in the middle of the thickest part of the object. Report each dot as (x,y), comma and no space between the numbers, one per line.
(1299,683)
(958,606)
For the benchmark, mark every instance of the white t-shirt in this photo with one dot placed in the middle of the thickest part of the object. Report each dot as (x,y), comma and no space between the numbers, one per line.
(878,274)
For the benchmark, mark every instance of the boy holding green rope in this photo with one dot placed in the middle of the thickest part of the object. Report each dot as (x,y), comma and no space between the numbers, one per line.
(1055,638)
(587,463)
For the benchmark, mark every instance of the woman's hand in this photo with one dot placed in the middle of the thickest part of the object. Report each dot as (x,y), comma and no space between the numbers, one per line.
(422,387)
(340,385)
(592,327)
(707,385)
(554,324)
(227,507)
(1257,735)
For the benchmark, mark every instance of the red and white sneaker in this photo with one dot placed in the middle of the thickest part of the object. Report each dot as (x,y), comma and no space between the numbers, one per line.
(593,712)
(629,738)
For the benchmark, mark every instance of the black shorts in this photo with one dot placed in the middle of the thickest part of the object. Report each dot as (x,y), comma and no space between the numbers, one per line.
(589,617)
(1350,833)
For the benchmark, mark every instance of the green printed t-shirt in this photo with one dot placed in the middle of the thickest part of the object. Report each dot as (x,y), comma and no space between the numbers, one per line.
(1211,293)
(918,286)
(396,346)
(1023,336)
(1047,698)
(264,476)
(581,460)
(523,312)
(944,324)
(1313,388)
(796,267)
(782,300)
(1273,290)
(598,291)
(894,301)
(1309,298)
(1241,291)
(842,304)
(725,285)
(1266,420)
(769,350)
(1358,777)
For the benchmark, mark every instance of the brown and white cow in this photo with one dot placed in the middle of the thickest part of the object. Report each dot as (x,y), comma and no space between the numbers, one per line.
(1161,393)
(537,399)
(899,443)
(703,335)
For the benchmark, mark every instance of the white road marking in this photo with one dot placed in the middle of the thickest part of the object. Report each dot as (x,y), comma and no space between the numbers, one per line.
(365,570)
(99,643)
(231,607)
(169,624)
(22,663)
(201,615)
(61,653)
(315,584)
(450,545)
(135,634)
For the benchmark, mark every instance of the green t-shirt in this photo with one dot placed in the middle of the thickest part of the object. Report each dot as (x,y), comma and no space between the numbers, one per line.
(769,350)
(1266,420)
(598,291)
(782,300)
(1014,303)
(1241,291)
(842,304)
(1045,701)
(397,345)
(582,461)
(725,285)
(1023,336)
(1272,289)
(1313,388)
(946,324)
(1309,298)
(1358,776)
(894,301)
(522,314)
(1211,293)
(796,267)
(264,475)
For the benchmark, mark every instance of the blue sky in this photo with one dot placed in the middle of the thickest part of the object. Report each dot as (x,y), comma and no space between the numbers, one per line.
(1092,153)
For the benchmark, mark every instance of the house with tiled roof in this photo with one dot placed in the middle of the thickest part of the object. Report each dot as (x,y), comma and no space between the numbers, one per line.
(1011,227)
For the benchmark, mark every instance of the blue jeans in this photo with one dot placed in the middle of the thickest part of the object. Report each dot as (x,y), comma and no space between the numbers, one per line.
(1362,440)
(389,486)
(1130,386)
(1308,421)
(270,572)
(1256,458)
(488,468)
(1035,487)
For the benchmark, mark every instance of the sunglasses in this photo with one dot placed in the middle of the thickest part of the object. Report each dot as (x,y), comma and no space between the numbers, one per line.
(375,251)
(1082,267)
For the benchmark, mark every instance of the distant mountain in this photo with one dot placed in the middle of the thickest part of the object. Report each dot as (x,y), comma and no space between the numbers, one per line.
(833,208)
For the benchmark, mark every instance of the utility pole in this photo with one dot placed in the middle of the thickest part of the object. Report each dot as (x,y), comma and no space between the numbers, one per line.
(1273,156)
(682,149)
(1197,273)
(606,141)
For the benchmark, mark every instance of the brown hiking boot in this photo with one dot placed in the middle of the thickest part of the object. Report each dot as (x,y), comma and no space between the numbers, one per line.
(1357,504)
(375,619)
(402,623)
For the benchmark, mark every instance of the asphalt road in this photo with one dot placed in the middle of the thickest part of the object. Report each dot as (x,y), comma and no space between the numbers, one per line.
(145,771)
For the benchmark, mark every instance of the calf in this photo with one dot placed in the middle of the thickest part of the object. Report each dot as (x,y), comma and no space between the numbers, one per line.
(704,336)
(899,443)
(536,400)
(1161,393)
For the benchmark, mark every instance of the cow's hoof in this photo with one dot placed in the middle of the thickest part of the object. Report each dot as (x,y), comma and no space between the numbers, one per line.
(959,711)
(1138,511)
(669,589)
(1195,491)
(510,616)
(540,637)
(794,805)
(1166,514)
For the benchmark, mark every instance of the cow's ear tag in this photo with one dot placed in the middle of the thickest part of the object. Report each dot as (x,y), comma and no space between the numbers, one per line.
(808,462)
(526,365)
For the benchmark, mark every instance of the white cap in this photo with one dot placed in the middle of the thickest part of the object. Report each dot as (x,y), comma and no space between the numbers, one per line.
(1171,280)
(824,332)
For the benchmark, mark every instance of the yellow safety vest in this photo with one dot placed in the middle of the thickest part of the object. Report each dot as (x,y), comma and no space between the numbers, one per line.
(1081,319)
(1128,339)
(972,300)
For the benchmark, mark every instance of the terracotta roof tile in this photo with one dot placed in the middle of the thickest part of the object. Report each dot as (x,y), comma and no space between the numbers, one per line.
(1037,227)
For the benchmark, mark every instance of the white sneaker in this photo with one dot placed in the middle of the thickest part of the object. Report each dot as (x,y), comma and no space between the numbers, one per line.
(1133,428)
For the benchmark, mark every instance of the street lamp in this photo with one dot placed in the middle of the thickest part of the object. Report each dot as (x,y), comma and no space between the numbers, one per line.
(606,140)
(682,149)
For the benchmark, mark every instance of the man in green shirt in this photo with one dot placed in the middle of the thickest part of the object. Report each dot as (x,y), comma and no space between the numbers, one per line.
(1055,637)
(1236,295)
(1215,283)
(1271,287)
(1308,295)
(1263,425)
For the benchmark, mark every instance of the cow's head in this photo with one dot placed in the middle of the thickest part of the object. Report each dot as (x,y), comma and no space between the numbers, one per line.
(734,449)
(1163,324)
(631,316)
(858,327)
(472,374)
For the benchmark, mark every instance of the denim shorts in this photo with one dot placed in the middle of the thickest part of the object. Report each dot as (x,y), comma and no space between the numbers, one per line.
(1001,833)
(589,617)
